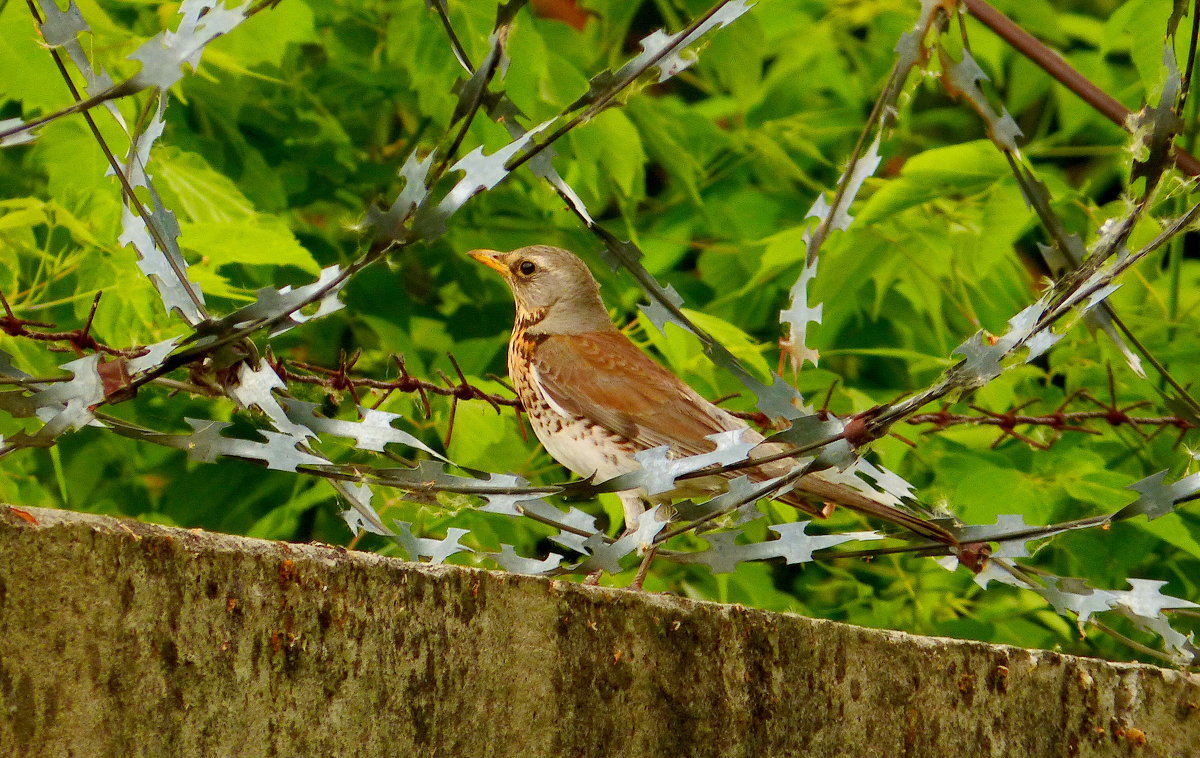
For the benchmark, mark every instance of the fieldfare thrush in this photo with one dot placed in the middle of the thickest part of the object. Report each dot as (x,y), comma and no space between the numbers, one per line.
(594,399)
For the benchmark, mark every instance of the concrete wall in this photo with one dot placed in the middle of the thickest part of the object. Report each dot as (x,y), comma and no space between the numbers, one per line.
(125,639)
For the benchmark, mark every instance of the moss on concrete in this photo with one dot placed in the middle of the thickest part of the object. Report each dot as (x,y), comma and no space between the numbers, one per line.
(126,639)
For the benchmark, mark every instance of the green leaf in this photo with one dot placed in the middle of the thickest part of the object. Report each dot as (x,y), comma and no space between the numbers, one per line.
(612,142)
(265,37)
(30,75)
(486,439)
(250,242)
(964,169)
(196,191)
(1181,529)
(980,487)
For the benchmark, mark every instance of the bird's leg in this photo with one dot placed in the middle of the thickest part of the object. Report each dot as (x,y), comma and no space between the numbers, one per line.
(644,568)
(635,508)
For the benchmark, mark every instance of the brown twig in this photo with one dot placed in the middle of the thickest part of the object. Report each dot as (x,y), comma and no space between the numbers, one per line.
(1059,421)
(78,340)
(1054,64)
(340,379)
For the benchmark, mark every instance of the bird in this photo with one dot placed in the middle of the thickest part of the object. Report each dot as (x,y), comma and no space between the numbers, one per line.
(594,399)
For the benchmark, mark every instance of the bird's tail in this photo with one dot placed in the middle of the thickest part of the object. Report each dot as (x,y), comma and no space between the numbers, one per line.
(818,487)
(827,493)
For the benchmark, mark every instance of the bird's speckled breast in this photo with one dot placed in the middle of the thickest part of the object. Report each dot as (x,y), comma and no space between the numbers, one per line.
(585,448)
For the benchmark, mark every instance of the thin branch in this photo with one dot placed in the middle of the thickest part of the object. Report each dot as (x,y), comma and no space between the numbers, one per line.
(1053,64)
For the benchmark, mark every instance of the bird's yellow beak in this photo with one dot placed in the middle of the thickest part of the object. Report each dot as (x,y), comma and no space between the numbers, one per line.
(491,259)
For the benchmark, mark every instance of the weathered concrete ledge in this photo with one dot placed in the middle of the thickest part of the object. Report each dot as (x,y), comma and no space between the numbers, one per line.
(122,639)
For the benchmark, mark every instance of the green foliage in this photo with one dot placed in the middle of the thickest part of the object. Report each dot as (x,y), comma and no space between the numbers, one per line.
(297,122)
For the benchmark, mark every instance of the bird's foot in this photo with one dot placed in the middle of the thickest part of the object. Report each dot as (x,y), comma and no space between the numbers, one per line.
(644,569)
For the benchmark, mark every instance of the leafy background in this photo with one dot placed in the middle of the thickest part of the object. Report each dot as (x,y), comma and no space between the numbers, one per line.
(296,123)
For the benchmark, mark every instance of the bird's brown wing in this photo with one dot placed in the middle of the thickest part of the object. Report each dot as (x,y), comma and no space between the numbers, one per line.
(606,379)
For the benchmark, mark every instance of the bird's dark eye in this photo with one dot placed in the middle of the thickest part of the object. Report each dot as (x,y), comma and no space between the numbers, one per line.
(527,268)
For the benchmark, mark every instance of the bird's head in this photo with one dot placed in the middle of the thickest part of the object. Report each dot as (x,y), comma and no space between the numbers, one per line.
(551,285)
